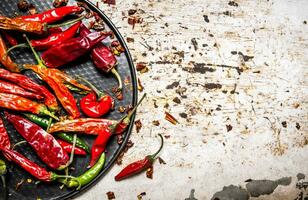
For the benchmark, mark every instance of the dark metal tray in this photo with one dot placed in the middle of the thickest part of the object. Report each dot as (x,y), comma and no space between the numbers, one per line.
(85,68)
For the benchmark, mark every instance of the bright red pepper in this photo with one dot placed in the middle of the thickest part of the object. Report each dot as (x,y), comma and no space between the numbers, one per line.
(102,57)
(52,15)
(28,84)
(71,49)
(44,144)
(5,60)
(10,88)
(99,145)
(97,103)
(69,147)
(140,165)
(10,38)
(4,138)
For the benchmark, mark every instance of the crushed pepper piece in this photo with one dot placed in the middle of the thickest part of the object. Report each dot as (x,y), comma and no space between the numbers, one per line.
(170,118)
(155,123)
(140,86)
(110,195)
(161,161)
(141,195)
(138,125)
(149,172)
(141,67)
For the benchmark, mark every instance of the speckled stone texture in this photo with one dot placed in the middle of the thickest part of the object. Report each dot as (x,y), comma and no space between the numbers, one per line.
(234,74)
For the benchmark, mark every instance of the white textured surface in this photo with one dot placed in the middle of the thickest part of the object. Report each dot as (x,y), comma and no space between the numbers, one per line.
(200,153)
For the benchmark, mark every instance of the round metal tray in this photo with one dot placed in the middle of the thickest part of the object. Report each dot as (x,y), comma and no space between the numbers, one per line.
(83,67)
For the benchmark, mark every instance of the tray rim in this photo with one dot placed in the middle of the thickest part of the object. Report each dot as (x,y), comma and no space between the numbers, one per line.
(107,20)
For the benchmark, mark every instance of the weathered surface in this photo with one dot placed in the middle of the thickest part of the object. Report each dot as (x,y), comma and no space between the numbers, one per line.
(239,71)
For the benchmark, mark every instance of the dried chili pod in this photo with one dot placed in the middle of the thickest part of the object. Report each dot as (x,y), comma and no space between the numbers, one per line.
(44,144)
(10,88)
(103,58)
(140,165)
(69,148)
(5,60)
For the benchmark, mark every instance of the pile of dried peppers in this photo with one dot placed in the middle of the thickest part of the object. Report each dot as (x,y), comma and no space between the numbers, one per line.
(34,110)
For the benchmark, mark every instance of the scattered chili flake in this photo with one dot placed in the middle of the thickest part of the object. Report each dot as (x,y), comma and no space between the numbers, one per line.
(18,185)
(170,118)
(176,100)
(297,126)
(167,136)
(127,81)
(128,145)
(183,115)
(149,172)
(60,3)
(161,161)
(138,125)
(133,20)
(129,108)
(132,11)
(110,195)
(284,124)
(120,139)
(129,40)
(23,5)
(110,2)
(141,67)
(229,127)
(141,195)
(155,123)
(121,109)
(117,48)
(140,86)
(32,9)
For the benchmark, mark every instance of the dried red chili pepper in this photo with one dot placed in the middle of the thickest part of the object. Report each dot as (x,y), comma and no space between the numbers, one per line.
(71,49)
(4,138)
(69,147)
(52,15)
(10,88)
(103,57)
(28,84)
(44,144)
(53,39)
(96,103)
(140,165)
(99,145)
(10,38)
(5,60)
(14,102)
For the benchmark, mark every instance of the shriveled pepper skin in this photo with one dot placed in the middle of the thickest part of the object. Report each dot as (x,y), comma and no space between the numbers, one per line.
(99,145)
(103,58)
(21,25)
(52,15)
(14,102)
(28,84)
(10,88)
(94,107)
(44,144)
(83,125)
(4,138)
(5,60)
(71,49)
(55,38)
(31,167)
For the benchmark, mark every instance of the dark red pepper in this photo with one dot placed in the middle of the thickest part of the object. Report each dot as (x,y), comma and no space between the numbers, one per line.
(140,165)
(10,88)
(71,49)
(99,145)
(97,103)
(4,138)
(28,84)
(102,57)
(69,147)
(10,38)
(52,15)
(44,144)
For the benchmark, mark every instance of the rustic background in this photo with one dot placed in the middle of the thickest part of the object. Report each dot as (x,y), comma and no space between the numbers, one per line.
(234,75)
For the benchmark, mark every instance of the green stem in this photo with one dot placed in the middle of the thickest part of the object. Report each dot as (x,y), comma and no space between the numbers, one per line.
(23,45)
(48,113)
(49,123)
(160,148)
(37,57)
(118,77)
(97,91)
(66,23)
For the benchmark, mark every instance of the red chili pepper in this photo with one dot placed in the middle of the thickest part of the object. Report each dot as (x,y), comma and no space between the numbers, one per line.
(53,39)
(71,49)
(10,88)
(44,144)
(99,145)
(53,15)
(4,138)
(102,57)
(14,102)
(5,60)
(140,165)
(10,38)
(55,30)
(97,103)
(69,147)
(28,84)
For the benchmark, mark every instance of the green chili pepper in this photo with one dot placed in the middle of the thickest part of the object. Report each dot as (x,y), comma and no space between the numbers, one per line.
(88,176)
(43,122)
(2,173)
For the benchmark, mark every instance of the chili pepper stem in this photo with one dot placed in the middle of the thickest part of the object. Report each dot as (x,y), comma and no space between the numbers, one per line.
(19,143)
(37,57)
(72,154)
(48,113)
(118,77)
(153,156)
(49,124)
(66,23)
(23,45)
(99,93)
